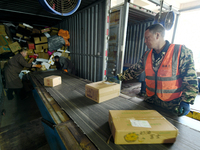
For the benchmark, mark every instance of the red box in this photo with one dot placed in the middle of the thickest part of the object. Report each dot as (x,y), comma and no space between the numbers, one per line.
(31,46)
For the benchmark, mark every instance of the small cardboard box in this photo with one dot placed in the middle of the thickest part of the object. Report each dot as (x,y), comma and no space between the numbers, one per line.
(45,30)
(52,81)
(14,47)
(22,36)
(40,40)
(102,91)
(39,51)
(53,67)
(2,30)
(41,46)
(3,40)
(43,55)
(30,52)
(31,45)
(4,49)
(141,127)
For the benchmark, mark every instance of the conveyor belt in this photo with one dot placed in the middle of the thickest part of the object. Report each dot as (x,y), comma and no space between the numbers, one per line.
(92,117)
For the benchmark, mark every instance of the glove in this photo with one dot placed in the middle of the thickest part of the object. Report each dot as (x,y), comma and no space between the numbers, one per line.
(113,79)
(65,70)
(184,109)
(38,66)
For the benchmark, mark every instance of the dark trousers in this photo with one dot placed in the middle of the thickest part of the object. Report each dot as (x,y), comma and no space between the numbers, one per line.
(10,95)
(143,87)
(18,92)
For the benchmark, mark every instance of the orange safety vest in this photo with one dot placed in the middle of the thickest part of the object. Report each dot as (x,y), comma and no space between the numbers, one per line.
(166,81)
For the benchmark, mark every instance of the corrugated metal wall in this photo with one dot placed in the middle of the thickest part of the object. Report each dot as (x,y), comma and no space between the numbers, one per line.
(135,46)
(87,39)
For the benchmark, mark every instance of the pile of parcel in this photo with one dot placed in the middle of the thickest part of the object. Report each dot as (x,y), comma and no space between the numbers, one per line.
(42,44)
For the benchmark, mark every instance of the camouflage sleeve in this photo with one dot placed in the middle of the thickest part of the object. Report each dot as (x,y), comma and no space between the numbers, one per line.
(133,72)
(188,73)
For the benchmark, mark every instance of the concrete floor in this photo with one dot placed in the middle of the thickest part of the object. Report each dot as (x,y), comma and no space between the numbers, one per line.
(20,127)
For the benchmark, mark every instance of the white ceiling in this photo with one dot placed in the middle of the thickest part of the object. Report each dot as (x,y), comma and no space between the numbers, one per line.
(176,4)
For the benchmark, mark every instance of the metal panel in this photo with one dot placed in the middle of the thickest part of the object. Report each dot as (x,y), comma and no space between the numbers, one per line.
(87,40)
(138,19)
(135,46)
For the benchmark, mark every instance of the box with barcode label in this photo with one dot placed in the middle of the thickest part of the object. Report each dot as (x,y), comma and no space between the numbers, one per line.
(102,91)
(141,127)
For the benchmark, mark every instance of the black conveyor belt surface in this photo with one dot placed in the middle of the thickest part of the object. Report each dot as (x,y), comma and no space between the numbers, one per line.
(92,117)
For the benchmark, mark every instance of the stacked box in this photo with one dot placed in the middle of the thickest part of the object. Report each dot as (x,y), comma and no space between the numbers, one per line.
(15,47)
(41,43)
(4,49)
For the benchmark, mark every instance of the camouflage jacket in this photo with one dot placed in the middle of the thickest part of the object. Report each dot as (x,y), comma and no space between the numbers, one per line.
(187,70)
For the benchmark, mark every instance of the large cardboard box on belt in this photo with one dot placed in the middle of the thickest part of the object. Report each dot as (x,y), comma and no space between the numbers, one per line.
(52,81)
(102,91)
(141,127)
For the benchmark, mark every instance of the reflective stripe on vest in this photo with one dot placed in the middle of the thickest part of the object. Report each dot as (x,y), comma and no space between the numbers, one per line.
(168,80)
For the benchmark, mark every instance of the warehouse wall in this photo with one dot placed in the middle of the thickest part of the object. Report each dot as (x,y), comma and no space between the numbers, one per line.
(87,39)
(135,46)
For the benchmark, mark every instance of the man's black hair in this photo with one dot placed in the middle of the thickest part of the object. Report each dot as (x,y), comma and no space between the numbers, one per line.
(56,57)
(157,28)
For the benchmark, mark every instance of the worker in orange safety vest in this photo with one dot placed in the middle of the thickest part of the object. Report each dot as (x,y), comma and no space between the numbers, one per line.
(171,80)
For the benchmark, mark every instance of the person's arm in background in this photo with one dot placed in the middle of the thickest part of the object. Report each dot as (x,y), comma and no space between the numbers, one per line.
(133,72)
(188,74)
(23,62)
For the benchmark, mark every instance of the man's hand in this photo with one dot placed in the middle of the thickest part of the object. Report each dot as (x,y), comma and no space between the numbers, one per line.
(184,109)
(113,79)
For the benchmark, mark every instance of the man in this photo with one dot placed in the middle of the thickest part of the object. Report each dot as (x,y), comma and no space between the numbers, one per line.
(171,80)
(12,71)
(65,64)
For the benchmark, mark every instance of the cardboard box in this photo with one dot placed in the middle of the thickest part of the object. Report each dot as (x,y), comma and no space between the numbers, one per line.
(102,91)
(65,54)
(31,45)
(52,81)
(39,51)
(41,46)
(3,40)
(40,40)
(4,49)
(45,30)
(2,30)
(43,55)
(30,52)
(54,31)
(35,30)
(15,47)
(53,67)
(22,36)
(141,127)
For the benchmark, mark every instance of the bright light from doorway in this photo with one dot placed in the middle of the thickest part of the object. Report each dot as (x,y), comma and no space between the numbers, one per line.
(188,34)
